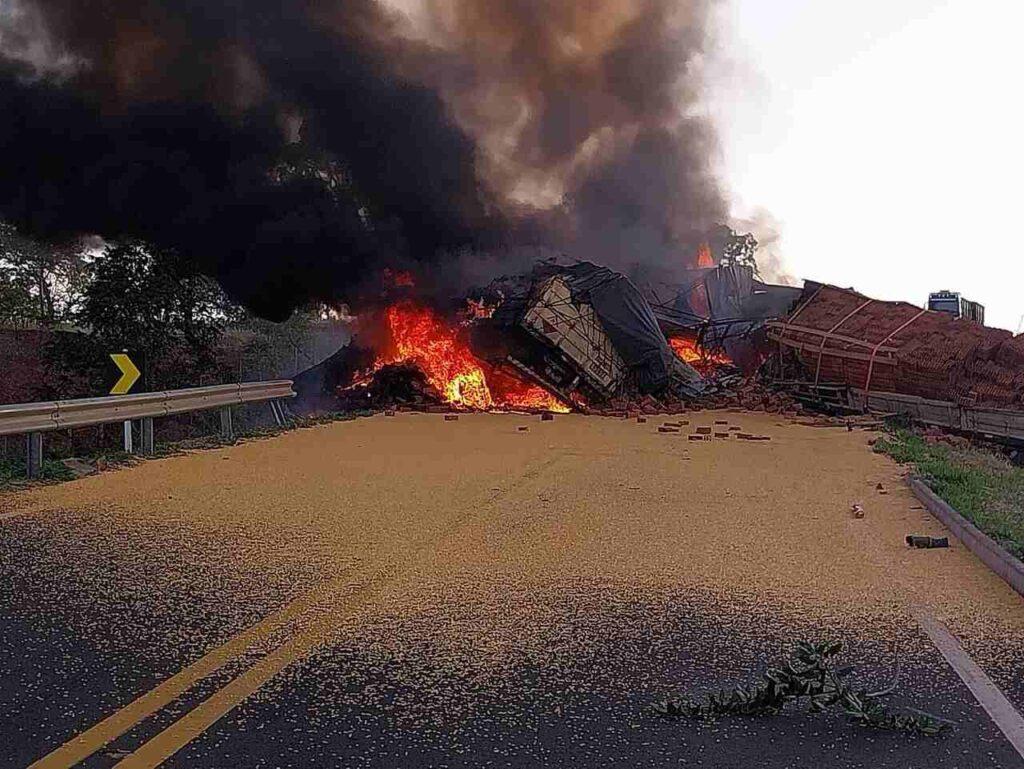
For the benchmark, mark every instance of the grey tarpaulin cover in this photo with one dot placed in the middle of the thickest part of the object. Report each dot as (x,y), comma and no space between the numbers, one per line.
(630,324)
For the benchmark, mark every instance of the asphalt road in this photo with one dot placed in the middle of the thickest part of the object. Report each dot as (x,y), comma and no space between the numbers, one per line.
(411,592)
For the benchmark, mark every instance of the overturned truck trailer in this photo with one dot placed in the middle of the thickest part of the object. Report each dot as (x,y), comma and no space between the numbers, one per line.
(850,351)
(584,329)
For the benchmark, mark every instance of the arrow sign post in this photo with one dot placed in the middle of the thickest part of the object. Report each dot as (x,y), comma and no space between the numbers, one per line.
(129,376)
(129,373)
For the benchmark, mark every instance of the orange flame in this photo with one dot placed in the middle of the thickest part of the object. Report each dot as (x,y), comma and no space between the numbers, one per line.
(419,336)
(511,392)
(478,310)
(534,398)
(704,256)
(690,352)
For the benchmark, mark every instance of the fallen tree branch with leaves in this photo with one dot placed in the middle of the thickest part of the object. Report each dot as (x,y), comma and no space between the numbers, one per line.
(810,674)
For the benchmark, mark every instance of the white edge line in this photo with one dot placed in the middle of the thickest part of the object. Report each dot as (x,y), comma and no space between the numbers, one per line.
(988,695)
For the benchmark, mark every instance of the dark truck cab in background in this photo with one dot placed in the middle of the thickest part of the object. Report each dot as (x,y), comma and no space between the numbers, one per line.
(951,302)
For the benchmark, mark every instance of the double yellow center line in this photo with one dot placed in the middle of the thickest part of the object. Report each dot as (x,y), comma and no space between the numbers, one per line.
(313,616)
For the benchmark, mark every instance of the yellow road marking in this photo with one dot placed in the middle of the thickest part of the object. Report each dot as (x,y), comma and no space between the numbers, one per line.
(203,716)
(187,728)
(179,734)
(112,727)
(197,721)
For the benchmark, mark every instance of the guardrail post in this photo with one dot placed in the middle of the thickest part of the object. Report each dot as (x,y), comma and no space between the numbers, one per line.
(34,455)
(278,412)
(147,435)
(128,436)
(225,424)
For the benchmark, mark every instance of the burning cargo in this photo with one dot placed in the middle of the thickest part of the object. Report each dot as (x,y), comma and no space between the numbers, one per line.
(586,329)
(558,336)
(718,314)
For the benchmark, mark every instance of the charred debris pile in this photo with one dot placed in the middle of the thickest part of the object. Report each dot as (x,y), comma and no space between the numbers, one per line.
(583,337)
(561,337)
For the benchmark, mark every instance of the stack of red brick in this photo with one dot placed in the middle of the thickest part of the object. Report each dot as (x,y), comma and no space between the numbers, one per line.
(747,394)
(930,354)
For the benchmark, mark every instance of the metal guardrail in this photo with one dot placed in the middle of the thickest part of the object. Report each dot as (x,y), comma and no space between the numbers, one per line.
(34,419)
(1002,424)
(1006,425)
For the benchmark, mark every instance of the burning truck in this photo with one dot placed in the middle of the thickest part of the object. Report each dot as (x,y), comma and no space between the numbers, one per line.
(584,332)
(557,338)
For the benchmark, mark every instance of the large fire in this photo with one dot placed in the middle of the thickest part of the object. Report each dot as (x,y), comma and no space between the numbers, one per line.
(419,336)
(701,359)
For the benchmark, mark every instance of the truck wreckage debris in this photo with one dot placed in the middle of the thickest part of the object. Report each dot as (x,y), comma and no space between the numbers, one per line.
(560,337)
(583,337)
(844,352)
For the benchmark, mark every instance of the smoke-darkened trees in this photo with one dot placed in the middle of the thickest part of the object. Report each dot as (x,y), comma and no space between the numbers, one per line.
(69,305)
(732,247)
(150,305)
(40,283)
(741,249)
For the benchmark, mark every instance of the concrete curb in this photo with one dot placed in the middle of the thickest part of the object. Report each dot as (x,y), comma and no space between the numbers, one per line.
(979,543)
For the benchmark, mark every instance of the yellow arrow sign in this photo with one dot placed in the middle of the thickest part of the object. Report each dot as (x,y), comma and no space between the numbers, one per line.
(129,373)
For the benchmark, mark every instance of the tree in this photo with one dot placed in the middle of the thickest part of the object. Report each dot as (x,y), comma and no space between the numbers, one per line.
(154,306)
(41,283)
(17,307)
(740,249)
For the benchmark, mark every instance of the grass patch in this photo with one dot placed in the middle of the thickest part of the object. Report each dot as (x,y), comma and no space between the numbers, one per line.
(12,473)
(981,485)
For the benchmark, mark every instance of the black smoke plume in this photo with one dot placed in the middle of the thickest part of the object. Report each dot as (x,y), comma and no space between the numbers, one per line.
(293,150)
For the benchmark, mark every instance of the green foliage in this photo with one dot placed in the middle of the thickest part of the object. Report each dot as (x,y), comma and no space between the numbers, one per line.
(153,306)
(12,472)
(17,307)
(77,366)
(40,283)
(980,485)
(810,674)
(136,299)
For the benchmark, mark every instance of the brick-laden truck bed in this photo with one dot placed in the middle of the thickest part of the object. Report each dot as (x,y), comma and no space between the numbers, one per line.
(836,335)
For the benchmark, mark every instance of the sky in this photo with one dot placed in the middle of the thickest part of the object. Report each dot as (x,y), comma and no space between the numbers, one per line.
(885,138)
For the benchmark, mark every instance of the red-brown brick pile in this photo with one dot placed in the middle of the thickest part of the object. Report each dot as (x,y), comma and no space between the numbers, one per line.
(929,354)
